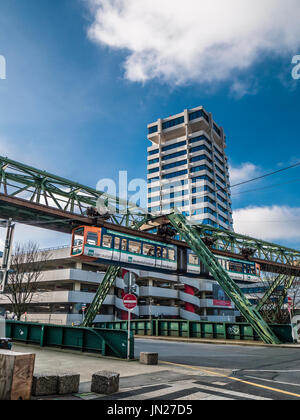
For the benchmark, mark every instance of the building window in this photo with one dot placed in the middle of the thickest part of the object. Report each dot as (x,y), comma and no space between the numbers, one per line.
(153,199)
(153,129)
(175,174)
(199,148)
(153,170)
(152,190)
(174,146)
(217,130)
(153,152)
(173,123)
(174,165)
(153,179)
(175,184)
(198,114)
(200,157)
(175,155)
(203,178)
(199,138)
(201,168)
(151,162)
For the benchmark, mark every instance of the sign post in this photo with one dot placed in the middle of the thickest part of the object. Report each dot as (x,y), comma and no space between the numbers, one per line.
(290,305)
(83,308)
(130,302)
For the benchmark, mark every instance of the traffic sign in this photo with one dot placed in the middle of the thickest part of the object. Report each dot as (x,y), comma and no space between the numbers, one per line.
(130,302)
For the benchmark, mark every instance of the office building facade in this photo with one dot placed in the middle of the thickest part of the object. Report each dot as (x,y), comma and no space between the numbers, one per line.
(188,168)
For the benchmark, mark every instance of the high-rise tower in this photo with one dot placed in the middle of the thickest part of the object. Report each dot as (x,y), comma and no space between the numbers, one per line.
(188,168)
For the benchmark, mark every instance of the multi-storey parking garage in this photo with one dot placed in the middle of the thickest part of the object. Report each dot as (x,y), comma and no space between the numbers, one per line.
(66,285)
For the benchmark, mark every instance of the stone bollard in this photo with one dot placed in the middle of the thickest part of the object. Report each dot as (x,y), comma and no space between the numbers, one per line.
(44,384)
(149,358)
(55,384)
(68,383)
(105,382)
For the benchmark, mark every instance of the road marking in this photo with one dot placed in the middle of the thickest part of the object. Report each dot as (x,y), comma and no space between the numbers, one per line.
(220,383)
(270,380)
(231,393)
(201,396)
(272,371)
(280,391)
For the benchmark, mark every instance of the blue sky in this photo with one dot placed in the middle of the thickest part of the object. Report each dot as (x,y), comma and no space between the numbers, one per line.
(83,83)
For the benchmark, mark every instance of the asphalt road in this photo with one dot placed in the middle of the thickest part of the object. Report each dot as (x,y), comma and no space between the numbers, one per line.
(266,371)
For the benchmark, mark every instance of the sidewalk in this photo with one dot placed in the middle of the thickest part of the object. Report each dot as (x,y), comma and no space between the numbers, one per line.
(55,361)
(215,341)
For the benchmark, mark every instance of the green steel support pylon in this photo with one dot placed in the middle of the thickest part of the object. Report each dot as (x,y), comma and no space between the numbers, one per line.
(280,278)
(250,313)
(287,285)
(108,281)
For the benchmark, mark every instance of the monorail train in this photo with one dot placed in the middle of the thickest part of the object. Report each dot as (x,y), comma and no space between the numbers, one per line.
(102,245)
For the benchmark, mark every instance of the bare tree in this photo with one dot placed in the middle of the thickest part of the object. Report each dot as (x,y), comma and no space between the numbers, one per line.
(27,264)
(273,311)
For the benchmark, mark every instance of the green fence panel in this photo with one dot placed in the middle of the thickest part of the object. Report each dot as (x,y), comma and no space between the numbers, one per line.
(284,332)
(195,329)
(199,329)
(220,331)
(233,332)
(107,342)
(207,330)
(247,332)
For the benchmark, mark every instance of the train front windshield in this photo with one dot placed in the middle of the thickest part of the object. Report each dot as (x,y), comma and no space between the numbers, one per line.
(78,241)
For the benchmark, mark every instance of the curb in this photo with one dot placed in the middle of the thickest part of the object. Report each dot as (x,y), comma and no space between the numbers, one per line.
(218,342)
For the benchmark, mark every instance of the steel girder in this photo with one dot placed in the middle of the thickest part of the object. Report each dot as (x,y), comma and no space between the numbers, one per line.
(102,292)
(225,240)
(276,283)
(37,186)
(192,237)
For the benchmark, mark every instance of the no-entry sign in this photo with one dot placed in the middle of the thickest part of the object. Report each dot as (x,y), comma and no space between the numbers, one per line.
(130,302)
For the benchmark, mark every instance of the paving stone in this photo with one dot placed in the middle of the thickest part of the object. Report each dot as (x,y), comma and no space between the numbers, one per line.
(44,384)
(68,383)
(105,382)
(149,358)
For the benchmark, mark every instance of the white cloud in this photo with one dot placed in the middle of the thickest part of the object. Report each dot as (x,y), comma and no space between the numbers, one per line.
(244,172)
(195,40)
(274,223)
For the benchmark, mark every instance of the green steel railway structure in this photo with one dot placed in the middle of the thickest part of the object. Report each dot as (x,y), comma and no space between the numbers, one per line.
(38,198)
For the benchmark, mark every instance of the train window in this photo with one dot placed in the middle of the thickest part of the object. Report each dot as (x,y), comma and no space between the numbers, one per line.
(107,241)
(149,250)
(158,252)
(92,238)
(124,245)
(235,266)
(171,253)
(193,259)
(135,247)
(117,243)
(165,253)
(78,237)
